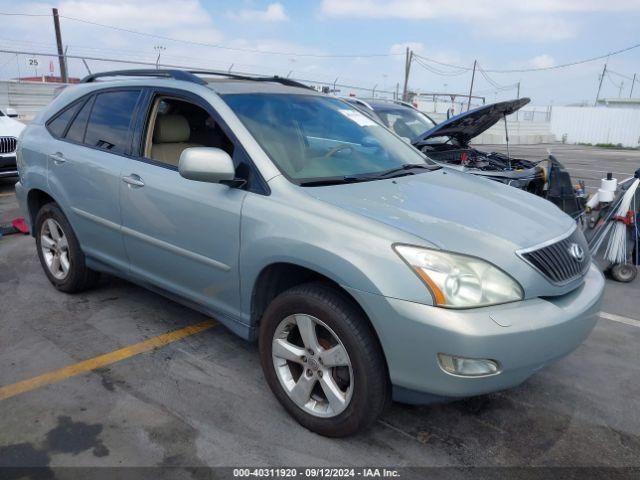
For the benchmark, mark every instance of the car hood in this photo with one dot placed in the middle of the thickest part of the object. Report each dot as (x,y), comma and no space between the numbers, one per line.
(467,125)
(10,127)
(455,211)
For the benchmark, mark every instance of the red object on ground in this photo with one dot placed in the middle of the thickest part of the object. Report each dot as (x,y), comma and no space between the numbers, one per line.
(627,220)
(20,225)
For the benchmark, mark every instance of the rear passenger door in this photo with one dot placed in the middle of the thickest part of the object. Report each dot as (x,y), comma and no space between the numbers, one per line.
(84,169)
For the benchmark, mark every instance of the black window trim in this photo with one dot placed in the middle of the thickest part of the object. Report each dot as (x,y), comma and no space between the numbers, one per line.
(80,102)
(88,97)
(142,124)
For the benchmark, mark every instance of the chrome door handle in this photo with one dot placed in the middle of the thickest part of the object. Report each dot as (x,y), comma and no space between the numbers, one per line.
(57,158)
(133,180)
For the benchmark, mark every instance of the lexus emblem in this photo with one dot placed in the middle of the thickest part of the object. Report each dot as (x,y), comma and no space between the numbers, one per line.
(576,251)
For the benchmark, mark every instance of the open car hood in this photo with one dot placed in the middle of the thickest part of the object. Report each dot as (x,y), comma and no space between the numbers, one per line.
(467,125)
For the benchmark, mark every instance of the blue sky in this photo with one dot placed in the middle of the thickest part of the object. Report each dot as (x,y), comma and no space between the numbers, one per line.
(500,34)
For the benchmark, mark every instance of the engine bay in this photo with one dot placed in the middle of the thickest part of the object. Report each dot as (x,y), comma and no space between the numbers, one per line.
(472,158)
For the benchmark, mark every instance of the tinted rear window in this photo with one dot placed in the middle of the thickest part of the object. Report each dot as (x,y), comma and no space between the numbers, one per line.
(110,118)
(58,125)
(79,124)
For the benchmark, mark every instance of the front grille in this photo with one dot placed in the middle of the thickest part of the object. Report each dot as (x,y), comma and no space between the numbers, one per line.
(8,144)
(560,261)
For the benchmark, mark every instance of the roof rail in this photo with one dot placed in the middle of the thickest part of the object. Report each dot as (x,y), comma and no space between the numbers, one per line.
(175,74)
(275,78)
(190,76)
(359,101)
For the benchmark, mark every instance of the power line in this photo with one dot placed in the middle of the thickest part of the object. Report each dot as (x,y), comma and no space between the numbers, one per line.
(536,69)
(570,64)
(495,84)
(632,79)
(431,60)
(212,45)
(14,14)
(314,55)
(437,71)
(617,85)
(225,47)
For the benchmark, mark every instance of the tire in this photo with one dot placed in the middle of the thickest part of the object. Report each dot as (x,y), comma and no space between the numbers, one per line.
(624,272)
(51,223)
(336,321)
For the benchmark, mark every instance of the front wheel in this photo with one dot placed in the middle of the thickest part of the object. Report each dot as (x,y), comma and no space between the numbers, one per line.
(322,360)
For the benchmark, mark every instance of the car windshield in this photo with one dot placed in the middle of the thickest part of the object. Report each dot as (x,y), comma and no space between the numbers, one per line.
(406,122)
(312,137)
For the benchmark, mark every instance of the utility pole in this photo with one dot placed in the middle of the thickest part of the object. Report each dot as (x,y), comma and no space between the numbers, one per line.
(621,87)
(159,49)
(473,76)
(407,70)
(604,72)
(633,82)
(518,98)
(63,63)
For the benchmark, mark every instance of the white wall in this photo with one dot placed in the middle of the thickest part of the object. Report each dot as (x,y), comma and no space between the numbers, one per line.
(596,125)
(27,98)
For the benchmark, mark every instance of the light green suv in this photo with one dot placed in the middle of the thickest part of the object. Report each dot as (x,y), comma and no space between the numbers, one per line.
(364,270)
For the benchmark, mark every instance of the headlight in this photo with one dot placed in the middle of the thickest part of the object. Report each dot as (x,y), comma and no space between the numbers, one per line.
(459,281)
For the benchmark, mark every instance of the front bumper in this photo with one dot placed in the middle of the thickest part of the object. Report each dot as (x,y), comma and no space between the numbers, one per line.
(8,166)
(522,336)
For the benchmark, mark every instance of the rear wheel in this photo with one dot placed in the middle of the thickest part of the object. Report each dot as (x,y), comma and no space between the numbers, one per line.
(59,251)
(323,361)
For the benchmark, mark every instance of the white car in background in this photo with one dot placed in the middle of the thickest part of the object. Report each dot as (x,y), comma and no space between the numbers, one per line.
(10,130)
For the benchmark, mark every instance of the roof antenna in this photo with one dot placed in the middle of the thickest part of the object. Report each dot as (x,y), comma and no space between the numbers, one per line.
(506,133)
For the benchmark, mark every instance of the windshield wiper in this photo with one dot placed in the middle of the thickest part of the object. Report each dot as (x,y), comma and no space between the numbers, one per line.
(394,172)
(333,181)
(406,170)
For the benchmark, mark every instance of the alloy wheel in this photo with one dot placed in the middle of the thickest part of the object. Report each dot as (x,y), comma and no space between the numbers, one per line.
(55,249)
(312,365)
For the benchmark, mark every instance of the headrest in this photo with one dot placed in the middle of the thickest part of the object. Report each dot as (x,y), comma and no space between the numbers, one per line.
(171,129)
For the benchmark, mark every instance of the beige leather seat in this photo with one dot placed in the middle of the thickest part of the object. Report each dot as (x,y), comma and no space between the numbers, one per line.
(170,138)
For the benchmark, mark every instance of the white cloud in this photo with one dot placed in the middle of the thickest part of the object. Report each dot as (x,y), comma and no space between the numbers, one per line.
(398,48)
(538,20)
(273,13)
(542,61)
(465,9)
(530,27)
(144,15)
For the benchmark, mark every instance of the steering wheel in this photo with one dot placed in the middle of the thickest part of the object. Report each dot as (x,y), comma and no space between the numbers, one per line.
(336,149)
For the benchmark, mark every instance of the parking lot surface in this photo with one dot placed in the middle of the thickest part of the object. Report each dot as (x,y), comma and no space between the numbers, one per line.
(201,400)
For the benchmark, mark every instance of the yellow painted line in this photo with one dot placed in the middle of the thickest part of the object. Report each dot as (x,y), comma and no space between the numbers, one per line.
(108,358)
(10,194)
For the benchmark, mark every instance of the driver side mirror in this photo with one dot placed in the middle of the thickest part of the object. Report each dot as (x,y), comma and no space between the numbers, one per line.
(206,164)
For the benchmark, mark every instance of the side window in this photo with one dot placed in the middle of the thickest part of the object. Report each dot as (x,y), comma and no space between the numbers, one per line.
(79,124)
(58,125)
(108,126)
(175,125)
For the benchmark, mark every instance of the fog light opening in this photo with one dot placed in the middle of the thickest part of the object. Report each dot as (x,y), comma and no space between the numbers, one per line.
(468,367)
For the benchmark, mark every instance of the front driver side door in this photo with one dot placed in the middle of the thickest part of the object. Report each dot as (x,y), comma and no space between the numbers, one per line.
(181,235)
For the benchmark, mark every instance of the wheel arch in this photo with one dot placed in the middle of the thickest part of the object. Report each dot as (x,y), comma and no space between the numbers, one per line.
(280,276)
(36,199)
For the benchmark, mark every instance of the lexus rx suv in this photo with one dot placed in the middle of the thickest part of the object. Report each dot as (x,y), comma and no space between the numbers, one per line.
(364,270)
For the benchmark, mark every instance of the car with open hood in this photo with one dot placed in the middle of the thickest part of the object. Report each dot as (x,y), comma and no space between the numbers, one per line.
(365,270)
(449,142)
